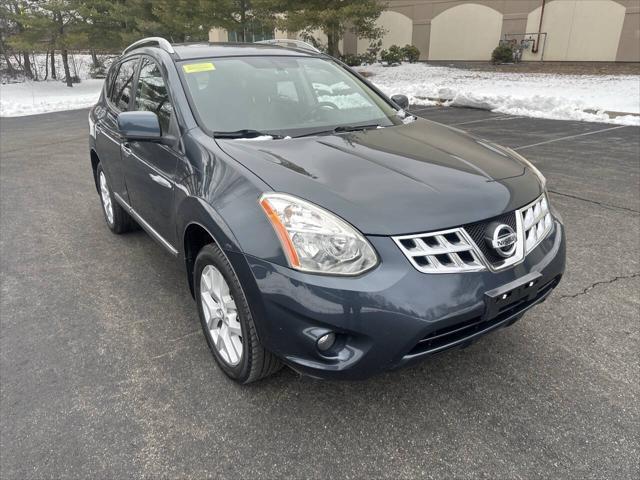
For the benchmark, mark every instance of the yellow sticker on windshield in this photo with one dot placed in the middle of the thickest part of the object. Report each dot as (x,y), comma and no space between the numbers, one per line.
(198,67)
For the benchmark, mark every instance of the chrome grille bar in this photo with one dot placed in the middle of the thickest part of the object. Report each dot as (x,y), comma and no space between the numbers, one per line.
(454,251)
(447,251)
(536,221)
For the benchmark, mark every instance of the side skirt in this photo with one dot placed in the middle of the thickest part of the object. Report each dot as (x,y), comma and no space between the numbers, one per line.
(148,228)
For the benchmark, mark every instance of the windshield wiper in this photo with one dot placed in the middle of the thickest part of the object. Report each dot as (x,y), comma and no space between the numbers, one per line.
(354,128)
(246,133)
(342,129)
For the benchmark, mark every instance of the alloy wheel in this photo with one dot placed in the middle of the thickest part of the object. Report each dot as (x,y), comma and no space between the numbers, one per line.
(106,198)
(221,315)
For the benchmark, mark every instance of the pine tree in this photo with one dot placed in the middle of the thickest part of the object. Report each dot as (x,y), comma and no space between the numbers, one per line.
(17,16)
(103,24)
(334,18)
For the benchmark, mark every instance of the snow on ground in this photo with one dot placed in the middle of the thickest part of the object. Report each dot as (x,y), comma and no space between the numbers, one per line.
(561,97)
(28,98)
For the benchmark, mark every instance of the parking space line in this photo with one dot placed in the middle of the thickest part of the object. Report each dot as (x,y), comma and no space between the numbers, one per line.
(499,117)
(570,136)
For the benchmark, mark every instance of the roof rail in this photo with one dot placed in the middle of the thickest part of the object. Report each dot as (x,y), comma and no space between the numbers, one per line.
(150,41)
(290,42)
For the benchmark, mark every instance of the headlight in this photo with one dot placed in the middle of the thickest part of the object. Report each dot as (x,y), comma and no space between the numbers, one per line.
(527,163)
(315,240)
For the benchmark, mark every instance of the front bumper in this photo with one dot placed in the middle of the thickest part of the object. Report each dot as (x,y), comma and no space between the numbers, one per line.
(392,315)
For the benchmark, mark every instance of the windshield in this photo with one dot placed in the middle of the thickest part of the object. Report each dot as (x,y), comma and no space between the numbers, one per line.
(281,95)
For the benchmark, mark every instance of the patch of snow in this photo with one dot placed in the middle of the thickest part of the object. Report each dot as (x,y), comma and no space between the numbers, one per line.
(29,98)
(560,97)
(254,139)
(261,137)
(405,117)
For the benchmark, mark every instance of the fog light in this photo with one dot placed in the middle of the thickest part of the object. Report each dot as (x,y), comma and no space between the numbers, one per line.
(325,342)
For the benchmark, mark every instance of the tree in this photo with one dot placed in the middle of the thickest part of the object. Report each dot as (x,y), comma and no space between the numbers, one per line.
(7,28)
(44,24)
(190,20)
(98,25)
(176,20)
(104,25)
(247,16)
(63,24)
(17,17)
(334,18)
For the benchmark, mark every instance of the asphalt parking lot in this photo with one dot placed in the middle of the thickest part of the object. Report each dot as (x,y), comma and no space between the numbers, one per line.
(105,372)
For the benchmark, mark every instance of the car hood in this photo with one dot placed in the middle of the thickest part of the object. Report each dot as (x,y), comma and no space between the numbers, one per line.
(411,178)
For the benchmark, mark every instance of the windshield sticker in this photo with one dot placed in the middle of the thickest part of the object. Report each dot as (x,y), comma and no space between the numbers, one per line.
(198,67)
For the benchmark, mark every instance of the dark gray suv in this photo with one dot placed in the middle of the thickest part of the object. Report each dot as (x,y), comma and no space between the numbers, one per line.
(320,225)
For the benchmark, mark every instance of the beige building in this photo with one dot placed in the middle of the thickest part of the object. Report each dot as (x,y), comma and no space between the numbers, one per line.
(553,30)
(570,30)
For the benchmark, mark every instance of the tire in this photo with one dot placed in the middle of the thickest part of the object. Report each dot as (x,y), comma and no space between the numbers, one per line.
(238,353)
(118,220)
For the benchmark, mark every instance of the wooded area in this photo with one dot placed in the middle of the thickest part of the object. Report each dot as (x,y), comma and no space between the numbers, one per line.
(58,27)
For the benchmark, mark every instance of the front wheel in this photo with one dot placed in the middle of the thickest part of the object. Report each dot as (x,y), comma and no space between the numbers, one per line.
(226,319)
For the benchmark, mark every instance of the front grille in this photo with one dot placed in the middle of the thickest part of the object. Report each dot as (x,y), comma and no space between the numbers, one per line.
(478,230)
(448,251)
(455,335)
(464,249)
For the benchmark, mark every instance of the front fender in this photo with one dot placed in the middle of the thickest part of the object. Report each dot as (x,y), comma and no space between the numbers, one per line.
(193,210)
(198,212)
(224,194)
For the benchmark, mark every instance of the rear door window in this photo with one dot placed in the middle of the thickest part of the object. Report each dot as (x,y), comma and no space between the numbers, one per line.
(123,85)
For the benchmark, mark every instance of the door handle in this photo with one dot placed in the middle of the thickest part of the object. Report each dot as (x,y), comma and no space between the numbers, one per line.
(160,180)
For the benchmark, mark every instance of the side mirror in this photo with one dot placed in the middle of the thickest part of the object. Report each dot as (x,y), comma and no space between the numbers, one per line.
(141,126)
(401,100)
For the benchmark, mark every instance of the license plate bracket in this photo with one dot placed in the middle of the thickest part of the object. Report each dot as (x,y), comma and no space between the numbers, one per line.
(523,289)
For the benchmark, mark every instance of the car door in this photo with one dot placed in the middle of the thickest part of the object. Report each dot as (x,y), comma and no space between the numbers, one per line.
(108,139)
(150,167)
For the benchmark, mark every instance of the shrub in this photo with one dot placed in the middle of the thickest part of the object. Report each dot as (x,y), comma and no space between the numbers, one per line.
(393,56)
(411,53)
(502,54)
(352,59)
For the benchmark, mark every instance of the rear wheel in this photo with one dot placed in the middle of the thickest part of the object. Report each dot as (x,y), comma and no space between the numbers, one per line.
(118,220)
(226,319)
